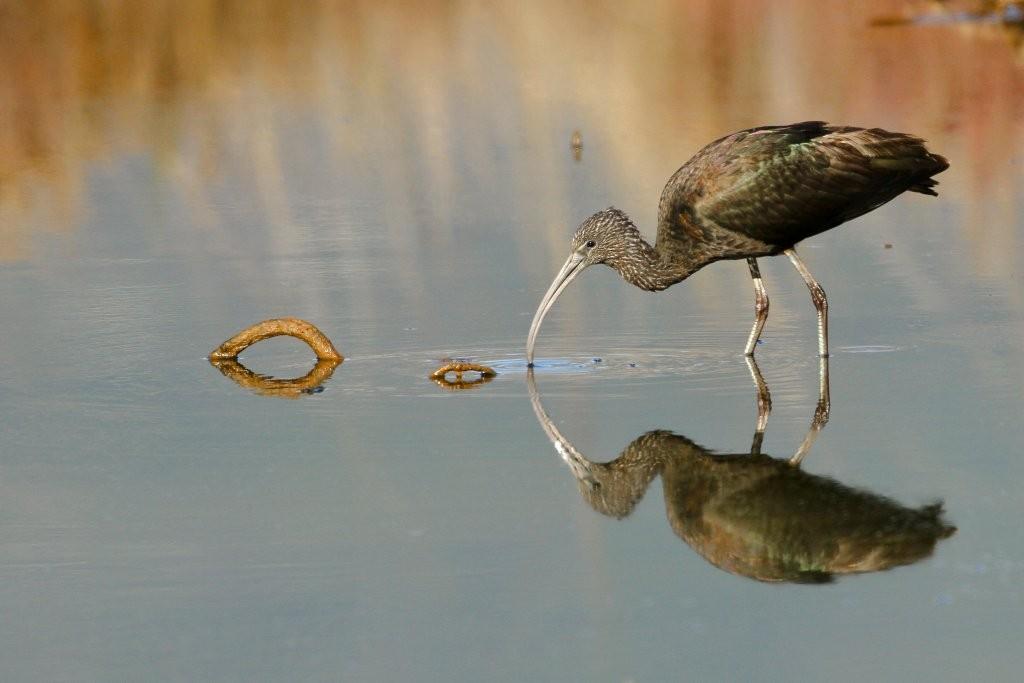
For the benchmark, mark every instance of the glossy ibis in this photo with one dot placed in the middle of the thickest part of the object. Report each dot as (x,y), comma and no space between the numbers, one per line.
(750,194)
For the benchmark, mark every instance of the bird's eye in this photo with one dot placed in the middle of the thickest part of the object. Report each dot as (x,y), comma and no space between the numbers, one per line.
(591,244)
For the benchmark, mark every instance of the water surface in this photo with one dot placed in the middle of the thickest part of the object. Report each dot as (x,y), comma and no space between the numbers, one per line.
(404,179)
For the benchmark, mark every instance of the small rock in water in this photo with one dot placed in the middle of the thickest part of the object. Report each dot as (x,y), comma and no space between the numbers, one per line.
(888,245)
(597,360)
(632,365)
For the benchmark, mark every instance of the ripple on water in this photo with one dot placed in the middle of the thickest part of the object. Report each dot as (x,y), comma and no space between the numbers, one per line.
(868,348)
(705,367)
(700,369)
(547,365)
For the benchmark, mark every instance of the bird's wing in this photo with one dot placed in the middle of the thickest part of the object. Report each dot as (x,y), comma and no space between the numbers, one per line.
(781,184)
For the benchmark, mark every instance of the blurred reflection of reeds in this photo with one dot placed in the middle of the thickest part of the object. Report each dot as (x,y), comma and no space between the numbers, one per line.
(191,84)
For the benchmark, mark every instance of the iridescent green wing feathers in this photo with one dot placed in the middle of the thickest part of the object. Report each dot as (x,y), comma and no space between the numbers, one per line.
(781,184)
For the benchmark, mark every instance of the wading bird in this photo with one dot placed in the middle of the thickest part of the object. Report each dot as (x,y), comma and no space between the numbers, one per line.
(750,194)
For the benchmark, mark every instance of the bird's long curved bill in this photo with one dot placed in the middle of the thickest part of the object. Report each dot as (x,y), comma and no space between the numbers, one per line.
(573,267)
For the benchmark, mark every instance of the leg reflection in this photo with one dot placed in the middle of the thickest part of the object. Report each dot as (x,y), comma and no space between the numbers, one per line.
(764,405)
(764,409)
(821,413)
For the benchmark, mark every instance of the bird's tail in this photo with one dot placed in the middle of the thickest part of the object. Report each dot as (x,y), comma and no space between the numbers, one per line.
(920,163)
(925,187)
(938,165)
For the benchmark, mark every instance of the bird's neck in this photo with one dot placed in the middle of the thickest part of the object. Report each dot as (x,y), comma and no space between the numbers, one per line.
(646,267)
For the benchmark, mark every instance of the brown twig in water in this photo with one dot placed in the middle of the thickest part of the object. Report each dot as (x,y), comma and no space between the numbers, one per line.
(459,367)
(292,327)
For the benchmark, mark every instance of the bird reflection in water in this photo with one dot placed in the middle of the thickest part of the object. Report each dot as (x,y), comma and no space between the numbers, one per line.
(754,515)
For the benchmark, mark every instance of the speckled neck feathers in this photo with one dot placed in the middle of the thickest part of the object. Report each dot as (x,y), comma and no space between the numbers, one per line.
(644,266)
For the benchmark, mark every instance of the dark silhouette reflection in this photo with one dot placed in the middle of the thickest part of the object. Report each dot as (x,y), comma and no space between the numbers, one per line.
(264,385)
(754,515)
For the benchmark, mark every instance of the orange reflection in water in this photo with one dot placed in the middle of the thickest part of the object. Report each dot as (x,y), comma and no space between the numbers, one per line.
(192,84)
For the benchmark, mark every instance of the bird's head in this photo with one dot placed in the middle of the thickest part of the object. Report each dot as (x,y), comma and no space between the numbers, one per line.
(606,237)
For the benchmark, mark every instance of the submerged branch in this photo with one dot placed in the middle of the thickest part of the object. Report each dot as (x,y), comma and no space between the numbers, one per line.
(459,367)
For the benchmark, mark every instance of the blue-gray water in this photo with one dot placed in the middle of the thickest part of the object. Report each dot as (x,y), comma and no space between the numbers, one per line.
(405,181)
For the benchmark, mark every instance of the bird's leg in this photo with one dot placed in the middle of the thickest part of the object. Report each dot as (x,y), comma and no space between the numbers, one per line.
(764,405)
(819,299)
(821,413)
(760,307)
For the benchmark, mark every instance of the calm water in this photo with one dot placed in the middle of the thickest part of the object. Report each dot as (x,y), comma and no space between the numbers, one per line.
(403,178)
